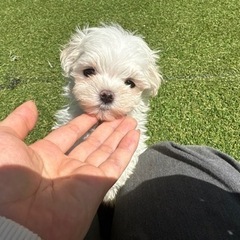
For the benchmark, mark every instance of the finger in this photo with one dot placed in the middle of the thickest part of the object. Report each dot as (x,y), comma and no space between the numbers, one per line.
(111,143)
(22,120)
(99,136)
(65,136)
(114,166)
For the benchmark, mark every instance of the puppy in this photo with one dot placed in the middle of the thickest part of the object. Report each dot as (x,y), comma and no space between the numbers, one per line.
(111,73)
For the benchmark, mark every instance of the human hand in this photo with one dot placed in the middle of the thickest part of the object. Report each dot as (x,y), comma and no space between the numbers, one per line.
(53,194)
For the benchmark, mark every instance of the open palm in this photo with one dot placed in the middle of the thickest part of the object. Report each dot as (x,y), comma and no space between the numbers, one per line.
(54,194)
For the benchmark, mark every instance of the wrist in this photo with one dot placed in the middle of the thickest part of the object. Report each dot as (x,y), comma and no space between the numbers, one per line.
(14,231)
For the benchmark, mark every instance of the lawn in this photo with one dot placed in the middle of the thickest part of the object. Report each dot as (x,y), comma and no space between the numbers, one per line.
(199,59)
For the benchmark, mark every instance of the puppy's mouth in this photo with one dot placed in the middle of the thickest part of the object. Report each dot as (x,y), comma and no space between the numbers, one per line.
(104,112)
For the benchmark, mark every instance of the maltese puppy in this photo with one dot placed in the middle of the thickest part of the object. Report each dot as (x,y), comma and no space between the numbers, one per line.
(112,73)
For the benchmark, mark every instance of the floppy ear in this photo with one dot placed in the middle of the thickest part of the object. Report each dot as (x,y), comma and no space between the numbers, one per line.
(154,76)
(71,51)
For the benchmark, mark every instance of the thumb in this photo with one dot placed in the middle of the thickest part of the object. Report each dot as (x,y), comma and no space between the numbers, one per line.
(22,120)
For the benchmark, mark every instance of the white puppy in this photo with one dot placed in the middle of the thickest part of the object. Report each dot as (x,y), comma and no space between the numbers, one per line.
(112,73)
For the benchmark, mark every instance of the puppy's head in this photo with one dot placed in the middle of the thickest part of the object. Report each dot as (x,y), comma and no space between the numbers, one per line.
(112,70)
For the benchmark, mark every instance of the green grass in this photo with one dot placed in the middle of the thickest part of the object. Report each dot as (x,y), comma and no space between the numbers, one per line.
(200,60)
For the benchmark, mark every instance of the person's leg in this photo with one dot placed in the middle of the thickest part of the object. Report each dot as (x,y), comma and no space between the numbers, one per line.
(180,192)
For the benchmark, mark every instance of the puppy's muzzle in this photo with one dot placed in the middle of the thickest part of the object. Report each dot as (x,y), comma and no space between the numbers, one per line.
(106,96)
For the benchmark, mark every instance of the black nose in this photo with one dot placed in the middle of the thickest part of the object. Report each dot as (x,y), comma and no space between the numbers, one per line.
(106,96)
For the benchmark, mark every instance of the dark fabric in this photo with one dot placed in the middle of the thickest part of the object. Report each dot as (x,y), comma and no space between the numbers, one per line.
(180,193)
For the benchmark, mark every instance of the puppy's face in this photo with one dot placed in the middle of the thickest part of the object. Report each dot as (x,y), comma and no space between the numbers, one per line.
(112,70)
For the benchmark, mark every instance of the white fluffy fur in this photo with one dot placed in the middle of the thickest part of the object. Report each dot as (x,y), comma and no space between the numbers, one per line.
(116,55)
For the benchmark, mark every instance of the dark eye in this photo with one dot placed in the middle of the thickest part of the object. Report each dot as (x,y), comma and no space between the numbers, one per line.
(88,72)
(130,83)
